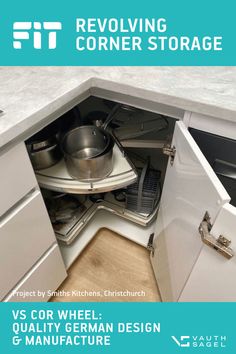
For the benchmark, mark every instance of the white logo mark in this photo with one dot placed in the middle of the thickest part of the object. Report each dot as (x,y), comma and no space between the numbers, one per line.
(21,31)
(182,339)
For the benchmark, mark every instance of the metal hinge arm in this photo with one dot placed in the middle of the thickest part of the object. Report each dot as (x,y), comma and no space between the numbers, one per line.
(169,151)
(150,246)
(220,244)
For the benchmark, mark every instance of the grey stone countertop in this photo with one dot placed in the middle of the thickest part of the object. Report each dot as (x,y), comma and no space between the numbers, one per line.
(28,95)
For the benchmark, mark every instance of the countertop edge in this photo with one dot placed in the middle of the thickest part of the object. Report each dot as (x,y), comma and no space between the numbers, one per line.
(48,113)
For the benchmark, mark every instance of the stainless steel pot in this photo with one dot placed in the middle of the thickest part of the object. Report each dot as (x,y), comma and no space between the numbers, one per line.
(43,147)
(88,153)
(45,157)
(85,142)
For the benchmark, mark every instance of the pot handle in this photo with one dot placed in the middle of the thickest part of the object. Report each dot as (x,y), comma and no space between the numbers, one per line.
(111,116)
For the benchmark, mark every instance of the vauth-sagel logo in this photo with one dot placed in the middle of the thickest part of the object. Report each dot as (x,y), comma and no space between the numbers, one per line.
(34,30)
(199,341)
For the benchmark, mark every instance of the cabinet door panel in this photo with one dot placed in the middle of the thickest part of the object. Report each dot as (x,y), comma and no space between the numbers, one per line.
(213,276)
(17,177)
(25,235)
(190,189)
(45,277)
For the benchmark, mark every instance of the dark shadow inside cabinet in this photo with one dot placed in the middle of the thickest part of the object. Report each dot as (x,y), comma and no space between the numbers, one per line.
(221,155)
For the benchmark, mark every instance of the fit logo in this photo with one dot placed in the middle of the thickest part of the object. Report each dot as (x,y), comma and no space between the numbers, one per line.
(183,342)
(22,31)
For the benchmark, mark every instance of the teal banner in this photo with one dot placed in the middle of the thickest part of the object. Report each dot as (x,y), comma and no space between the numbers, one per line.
(117,328)
(117,33)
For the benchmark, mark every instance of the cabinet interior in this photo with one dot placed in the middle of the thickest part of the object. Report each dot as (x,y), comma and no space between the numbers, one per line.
(140,140)
(141,135)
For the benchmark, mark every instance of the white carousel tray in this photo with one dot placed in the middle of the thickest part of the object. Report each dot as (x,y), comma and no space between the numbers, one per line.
(110,208)
(58,179)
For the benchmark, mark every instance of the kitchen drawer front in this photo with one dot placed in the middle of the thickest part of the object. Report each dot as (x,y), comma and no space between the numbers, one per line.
(45,276)
(17,176)
(25,235)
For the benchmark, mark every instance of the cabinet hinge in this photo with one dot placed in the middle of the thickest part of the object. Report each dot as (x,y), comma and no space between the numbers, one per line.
(220,244)
(150,246)
(169,151)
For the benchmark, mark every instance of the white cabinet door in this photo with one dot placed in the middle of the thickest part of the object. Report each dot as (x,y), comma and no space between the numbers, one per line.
(213,276)
(190,189)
